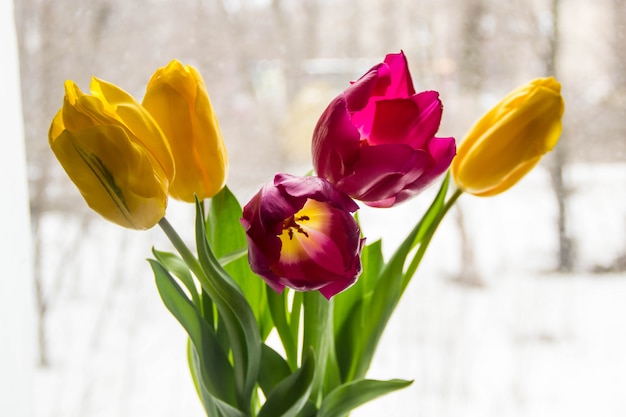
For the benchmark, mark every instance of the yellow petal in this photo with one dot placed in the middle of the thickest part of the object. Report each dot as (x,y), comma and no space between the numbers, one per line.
(116,177)
(137,120)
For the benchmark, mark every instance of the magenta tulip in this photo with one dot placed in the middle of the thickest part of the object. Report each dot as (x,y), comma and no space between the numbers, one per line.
(301,234)
(375,141)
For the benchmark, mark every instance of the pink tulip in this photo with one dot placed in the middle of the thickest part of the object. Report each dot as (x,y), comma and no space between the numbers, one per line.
(375,141)
(301,235)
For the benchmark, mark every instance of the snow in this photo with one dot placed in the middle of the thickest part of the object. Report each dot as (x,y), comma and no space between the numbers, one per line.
(528,342)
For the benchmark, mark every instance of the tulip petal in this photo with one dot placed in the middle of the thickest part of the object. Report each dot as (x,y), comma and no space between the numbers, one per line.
(442,152)
(401,83)
(383,171)
(412,121)
(358,95)
(335,158)
(115,177)
(335,287)
(56,127)
(132,116)
(315,188)
(81,111)
(511,179)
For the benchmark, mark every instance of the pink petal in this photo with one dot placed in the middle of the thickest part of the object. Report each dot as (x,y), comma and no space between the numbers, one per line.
(442,151)
(358,94)
(383,171)
(336,287)
(335,145)
(401,82)
(316,188)
(429,119)
(394,121)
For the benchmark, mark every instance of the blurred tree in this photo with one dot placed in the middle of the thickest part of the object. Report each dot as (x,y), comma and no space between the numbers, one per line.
(559,157)
(618,43)
(471,81)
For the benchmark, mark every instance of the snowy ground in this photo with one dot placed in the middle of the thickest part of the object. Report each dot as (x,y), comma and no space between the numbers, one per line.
(528,342)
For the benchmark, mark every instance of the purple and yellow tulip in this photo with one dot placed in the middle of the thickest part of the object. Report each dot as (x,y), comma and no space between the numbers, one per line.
(301,234)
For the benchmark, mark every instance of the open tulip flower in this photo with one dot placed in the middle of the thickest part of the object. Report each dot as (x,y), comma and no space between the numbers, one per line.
(301,234)
(510,139)
(114,152)
(375,141)
(178,100)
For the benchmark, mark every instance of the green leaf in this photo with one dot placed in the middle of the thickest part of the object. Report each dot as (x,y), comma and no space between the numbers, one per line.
(209,312)
(349,317)
(227,239)
(227,410)
(273,369)
(223,230)
(213,406)
(177,266)
(309,410)
(235,310)
(351,342)
(208,401)
(215,371)
(348,396)
(289,397)
(233,256)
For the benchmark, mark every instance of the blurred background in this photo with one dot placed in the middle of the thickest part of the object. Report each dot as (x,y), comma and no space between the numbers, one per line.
(518,307)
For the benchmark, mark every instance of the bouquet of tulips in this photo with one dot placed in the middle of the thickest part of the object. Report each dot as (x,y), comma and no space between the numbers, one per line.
(293,260)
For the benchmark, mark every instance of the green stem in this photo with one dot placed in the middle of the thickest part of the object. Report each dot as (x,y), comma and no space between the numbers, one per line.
(184,251)
(423,245)
(205,304)
(318,334)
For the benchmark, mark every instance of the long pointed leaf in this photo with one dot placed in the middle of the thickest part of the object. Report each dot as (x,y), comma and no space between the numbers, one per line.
(233,307)
(290,396)
(273,369)
(177,266)
(347,397)
(346,316)
(216,373)
(227,240)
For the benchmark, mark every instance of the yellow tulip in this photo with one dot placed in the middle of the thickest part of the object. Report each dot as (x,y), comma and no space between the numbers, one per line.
(114,152)
(178,100)
(510,139)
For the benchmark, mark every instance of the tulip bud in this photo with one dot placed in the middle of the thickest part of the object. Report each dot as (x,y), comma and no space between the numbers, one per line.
(115,154)
(301,235)
(510,139)
(375,141)
(178,100)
